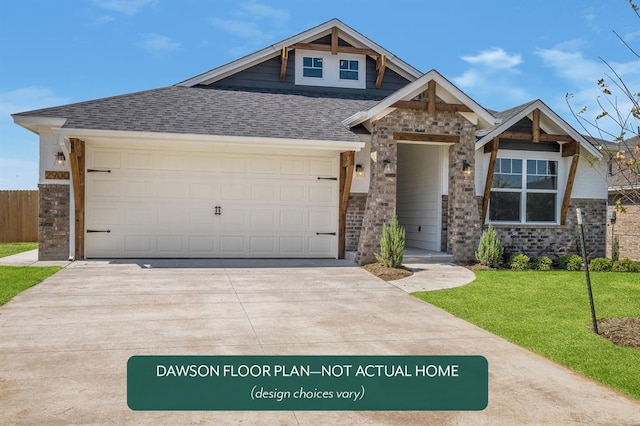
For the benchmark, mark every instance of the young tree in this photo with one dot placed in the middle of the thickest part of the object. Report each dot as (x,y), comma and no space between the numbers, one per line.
(620,105)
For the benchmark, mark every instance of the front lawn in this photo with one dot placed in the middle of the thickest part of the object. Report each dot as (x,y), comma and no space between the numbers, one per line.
(548,313)
(7,249)
(16,279)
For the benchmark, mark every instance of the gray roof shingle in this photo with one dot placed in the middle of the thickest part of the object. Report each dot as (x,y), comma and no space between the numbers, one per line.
(219,111)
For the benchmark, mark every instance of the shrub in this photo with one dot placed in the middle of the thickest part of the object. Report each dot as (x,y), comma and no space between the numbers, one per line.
(571,262)
(520,262)
(625,265)
(490,248)
(600,264)
(615,249)
(392,244)
(542,263)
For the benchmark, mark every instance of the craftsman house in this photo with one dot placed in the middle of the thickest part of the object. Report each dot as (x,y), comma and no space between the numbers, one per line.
(305,149)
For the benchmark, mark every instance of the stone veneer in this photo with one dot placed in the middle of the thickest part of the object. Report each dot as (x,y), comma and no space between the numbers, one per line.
(355,215)
(53,230)
(558,240)
(626,228)
(462,239)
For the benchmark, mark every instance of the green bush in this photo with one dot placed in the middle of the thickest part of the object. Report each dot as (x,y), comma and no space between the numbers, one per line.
(542,263)
(490,248)
(625,265)
(570,262)
(600,264)
(392,244)
(520,262)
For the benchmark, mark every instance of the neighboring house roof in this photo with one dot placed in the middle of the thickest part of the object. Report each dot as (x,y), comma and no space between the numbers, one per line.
(621,179)
(512,116)
(412,90)
(347,33)
(215,111)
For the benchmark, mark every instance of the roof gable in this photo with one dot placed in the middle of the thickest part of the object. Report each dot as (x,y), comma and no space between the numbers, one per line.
(550,122)
(346,33)
(445,90)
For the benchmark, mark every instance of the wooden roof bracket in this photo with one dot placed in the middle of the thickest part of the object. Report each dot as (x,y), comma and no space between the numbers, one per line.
(569,149)
(493,145)
(381,66)
(535,126)
(284,58)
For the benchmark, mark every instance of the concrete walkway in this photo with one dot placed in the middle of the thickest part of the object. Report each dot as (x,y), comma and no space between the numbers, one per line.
(30,258)
(64,344)
(434,276)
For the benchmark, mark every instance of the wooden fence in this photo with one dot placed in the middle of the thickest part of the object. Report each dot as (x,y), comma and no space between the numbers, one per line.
(18,216)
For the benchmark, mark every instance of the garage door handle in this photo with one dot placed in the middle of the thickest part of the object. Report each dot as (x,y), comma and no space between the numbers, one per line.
(326,178)
(325,233)
(92,231)
(98,171)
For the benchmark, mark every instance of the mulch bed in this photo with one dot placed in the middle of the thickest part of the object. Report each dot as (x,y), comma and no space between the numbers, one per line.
(620,331)
(387,274)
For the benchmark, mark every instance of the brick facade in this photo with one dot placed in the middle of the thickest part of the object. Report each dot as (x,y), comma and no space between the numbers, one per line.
(626,228)
(461,205)
(554,240)
(53,232)
(355,216)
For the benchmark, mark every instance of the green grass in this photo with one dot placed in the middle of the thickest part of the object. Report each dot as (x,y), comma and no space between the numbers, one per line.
(7,249)
(16,279)
(548,313)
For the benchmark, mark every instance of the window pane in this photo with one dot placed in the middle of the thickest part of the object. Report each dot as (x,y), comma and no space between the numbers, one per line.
(504,206)
(307,62)
(542,182)
(516,166)
(542,174)
(353,65)
(348,75)
(317,62)
(344,64)
(506,181)
(541,207)
(312,72)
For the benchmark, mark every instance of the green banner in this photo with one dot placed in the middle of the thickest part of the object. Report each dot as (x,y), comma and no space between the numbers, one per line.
(307,383)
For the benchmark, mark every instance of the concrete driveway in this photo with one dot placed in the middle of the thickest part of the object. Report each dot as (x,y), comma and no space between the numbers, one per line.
(64,344)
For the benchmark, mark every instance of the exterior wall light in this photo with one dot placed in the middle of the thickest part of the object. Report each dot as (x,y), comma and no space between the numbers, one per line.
(466,168)
(60,158)
(388,168)
(359,170)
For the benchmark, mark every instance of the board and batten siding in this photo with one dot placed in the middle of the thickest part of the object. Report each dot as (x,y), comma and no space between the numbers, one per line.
(266,75)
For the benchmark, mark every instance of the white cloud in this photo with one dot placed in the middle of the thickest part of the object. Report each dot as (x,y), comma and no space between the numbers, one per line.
(128,7)
(495,58)
(581,76)
(255,10)
(157,43)
(256,23)
(491,78)
(26,99)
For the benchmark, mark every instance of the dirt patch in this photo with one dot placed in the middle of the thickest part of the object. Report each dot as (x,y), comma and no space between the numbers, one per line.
(621,331)
(387,274)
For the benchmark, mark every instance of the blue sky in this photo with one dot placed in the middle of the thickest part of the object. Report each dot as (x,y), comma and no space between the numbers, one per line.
(500,52)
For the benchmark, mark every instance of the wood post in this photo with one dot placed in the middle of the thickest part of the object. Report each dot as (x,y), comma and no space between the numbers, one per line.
(347,160)
(77,160)
(567,191)
(489,181)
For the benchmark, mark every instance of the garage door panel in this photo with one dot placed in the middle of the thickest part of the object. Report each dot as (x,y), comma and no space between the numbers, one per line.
(163,204)
(139,160)
(140,189)
(104,187)
(204,163)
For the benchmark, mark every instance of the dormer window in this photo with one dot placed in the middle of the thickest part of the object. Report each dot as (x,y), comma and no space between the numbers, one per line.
(318,68)
(348,69)
(312,67)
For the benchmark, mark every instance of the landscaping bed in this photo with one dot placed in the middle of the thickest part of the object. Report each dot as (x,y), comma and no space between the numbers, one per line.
(387,274)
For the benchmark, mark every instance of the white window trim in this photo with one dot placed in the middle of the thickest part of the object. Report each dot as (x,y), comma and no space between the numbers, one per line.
(331,70)
(524,156)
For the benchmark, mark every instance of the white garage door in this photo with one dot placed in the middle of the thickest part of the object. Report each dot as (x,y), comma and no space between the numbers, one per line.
(200,204)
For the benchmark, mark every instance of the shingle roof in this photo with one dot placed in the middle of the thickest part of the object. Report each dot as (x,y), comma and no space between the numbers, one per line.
(503,116)
(219,111)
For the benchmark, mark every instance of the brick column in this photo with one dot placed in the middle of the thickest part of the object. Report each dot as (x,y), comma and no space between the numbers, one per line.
(381,200)
(53,229)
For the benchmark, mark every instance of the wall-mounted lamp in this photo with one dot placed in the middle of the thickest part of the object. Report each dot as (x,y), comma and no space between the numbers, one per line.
(359,170)
(60,157)
(466,168)
(388,168)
